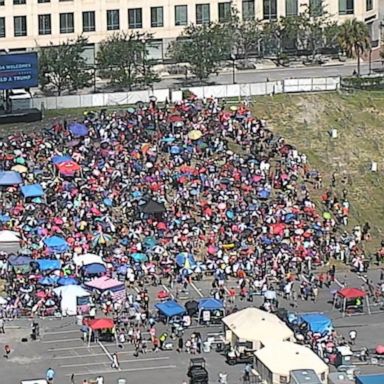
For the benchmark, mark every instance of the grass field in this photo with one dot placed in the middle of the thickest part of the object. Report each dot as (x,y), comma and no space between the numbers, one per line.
(306,121)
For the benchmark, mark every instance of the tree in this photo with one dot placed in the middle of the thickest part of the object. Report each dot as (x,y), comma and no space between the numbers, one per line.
(64,67)
(354,39)
(123,59)
(203,47)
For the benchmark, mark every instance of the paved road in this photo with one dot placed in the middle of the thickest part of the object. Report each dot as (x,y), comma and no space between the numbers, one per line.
(276,74)
(61,347)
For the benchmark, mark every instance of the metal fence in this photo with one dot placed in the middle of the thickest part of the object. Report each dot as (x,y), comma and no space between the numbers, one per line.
(316,84)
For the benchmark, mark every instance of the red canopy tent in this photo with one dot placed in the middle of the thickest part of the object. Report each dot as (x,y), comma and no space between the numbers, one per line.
(350,300)
(102,323)
(351,293)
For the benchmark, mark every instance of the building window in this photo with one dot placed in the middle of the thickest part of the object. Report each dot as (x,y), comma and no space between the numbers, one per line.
(135,18)
(346,7)
(2,26)
(291,8)
(43,1)
(89,23)
(248,9)
(157,19)
(20,26)
(269,10)
(224,12)
(67,24)
(283,379)
(203,14)
(18,2)
(113,19)
(2,2)
(45,26)
(181,15)
(316,7)
(369,5)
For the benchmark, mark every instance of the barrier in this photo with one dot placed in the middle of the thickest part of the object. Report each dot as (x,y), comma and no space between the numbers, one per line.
(316,84)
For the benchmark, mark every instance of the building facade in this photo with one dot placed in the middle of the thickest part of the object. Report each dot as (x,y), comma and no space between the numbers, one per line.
(26,24)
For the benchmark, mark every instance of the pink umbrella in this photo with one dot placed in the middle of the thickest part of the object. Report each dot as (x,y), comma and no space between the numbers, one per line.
(212,249)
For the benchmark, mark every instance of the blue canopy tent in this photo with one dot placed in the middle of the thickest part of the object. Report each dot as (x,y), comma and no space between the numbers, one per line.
(94,269)
(10,178)
(67,281)
(170,309)
(48,280)
(212,305)
(60,159)
(48,264)
(78,129)
(56,244)
(317,322)
(32,190)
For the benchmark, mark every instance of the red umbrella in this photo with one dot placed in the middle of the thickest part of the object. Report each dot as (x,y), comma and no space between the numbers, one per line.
(162,295)
(68,167)
(175,118)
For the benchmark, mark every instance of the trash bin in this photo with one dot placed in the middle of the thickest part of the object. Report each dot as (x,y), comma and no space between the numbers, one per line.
(79,320)
(121,381)
(206,347)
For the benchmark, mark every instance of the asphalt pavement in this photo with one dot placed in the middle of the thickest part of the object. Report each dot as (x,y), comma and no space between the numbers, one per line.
(62,348)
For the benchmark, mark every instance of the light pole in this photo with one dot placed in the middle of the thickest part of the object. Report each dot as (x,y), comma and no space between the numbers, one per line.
(233,58)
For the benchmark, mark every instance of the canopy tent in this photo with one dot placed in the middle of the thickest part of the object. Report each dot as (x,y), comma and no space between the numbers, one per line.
(213,306)
(74,299)
(352,300)
(67,281)
(78,129)
(10,178)
(86,259)
(60,159)
(48,264)
(104,283)
(169,309)
(101,323)
(32,190)
(94,269)
(152,207)
(9,241)
(256,327)
(56,244)
(317,322)
(277,360)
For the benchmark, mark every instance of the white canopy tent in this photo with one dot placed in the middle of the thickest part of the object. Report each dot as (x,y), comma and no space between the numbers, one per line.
(276,361)
(86,259)
(9,241)
(257,327)
(69,298)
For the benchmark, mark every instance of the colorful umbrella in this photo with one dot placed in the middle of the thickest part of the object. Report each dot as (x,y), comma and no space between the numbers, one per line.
(195,134)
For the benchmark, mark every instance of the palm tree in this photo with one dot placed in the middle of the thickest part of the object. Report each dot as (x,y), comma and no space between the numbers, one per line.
(354,39)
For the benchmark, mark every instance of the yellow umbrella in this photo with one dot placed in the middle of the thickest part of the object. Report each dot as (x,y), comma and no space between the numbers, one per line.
(20,168)
(195,134)
(233,108)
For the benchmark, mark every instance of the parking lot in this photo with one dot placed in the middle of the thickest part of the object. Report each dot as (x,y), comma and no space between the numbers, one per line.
(62,348)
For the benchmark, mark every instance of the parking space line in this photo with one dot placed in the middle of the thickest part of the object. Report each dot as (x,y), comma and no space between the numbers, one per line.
(80,347)
(105,350)
(60,332)
(120,362)
(123,370)
(90,355)
(196,289)
(61,340)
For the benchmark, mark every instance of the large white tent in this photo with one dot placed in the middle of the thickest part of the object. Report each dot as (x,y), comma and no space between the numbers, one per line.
(70,295)
(257,327)
(9,241)
(276,361)
(86,259)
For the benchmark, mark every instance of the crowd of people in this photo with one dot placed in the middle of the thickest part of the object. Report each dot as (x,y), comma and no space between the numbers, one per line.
(167,194)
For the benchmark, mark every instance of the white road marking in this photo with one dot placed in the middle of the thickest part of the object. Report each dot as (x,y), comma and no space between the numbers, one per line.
(61,340)
(168,291)
(105,350)
(61,332)
(124,370)
(120,362)
(90,355)
(196,289)
(70,348)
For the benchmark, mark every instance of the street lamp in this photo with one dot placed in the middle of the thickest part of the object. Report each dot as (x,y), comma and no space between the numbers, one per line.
(233,58)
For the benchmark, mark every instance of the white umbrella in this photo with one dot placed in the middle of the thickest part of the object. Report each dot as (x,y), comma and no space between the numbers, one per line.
(3,301)
(270,295)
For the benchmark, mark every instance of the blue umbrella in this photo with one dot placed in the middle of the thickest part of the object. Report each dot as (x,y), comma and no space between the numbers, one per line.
(122,270)
(263,194)
(175,150)
(67,281)
(48,280)
(107,202)
(139,257)
(136,194)
(5,218)
(78,129)
(56,244)
(185,260)
(168,139)
(149,242)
